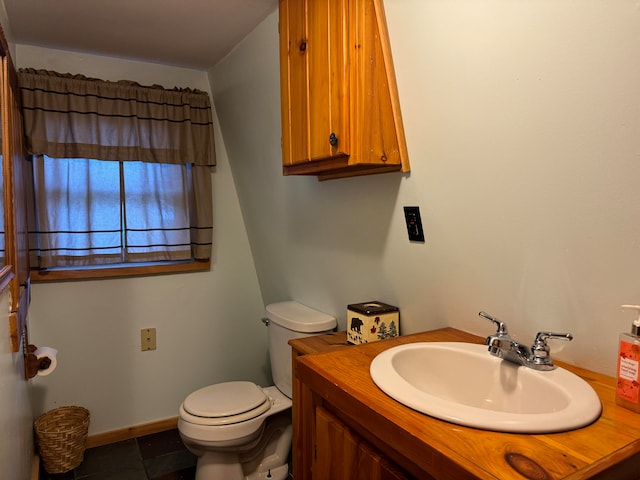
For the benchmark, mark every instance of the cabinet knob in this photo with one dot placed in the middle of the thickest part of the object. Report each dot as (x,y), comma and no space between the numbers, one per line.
(333,139)
(303,46)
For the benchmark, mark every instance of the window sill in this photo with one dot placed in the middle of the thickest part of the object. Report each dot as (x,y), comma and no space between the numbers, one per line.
(135,270)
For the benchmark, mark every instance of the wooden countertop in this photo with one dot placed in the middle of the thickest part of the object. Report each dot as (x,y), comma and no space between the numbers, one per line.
(320,343)
(607,449)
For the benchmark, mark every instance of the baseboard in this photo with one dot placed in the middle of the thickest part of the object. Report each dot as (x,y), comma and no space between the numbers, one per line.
(114,436)
(35,467)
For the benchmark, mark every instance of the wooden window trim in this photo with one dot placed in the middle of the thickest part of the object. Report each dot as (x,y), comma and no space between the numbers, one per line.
(120,271)
(6,275)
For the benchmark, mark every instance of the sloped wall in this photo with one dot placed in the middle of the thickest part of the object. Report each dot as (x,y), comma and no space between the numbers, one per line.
(523,134)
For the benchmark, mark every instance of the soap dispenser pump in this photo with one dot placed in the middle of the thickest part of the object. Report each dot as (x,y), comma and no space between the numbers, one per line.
(628,388)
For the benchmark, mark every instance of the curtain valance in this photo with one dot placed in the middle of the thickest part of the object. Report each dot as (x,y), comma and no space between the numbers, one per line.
(73,116)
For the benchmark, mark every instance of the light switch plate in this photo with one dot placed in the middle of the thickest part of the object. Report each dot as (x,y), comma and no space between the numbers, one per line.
(414,224)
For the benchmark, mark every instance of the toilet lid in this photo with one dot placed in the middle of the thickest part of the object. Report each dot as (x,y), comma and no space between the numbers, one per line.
(227,400)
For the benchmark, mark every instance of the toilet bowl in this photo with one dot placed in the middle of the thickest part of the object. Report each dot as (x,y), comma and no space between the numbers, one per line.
(230,434)
(239,430)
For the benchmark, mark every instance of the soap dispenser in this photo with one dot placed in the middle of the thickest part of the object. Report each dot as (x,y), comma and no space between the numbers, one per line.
(628,388)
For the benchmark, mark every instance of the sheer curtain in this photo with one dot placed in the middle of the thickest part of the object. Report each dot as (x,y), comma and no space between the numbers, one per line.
(121,172)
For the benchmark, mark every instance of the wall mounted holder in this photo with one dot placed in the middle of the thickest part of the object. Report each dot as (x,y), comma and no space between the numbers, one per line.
(33,364)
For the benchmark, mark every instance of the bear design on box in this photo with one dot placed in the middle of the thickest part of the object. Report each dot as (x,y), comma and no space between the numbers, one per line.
(356,323)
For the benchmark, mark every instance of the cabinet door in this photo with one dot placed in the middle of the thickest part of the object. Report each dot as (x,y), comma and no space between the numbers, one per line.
(342,455)
(377,132)
(313,76)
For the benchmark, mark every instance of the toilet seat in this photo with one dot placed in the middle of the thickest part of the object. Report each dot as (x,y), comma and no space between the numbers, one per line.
(225,403)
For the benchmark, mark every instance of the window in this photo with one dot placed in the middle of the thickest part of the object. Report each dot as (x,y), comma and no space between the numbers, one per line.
(121,175)
(94,212)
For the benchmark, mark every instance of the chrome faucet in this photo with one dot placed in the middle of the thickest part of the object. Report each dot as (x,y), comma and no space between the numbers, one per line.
(537,356)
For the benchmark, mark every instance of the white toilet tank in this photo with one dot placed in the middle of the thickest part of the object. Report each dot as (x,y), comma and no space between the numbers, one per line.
(289,320)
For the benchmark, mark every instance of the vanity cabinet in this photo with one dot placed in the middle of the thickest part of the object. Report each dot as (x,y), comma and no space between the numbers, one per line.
(339,101)
(304,403)
(347,428)
(324,446)
(343,455)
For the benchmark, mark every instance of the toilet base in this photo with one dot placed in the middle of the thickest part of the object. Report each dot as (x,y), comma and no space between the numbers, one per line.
(215,467)
(267,459)
(278,473)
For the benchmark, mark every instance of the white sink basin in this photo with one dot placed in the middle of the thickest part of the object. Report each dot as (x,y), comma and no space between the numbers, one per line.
(463,384)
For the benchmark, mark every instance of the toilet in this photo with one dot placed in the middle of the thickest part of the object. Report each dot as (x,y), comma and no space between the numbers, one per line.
(240,430)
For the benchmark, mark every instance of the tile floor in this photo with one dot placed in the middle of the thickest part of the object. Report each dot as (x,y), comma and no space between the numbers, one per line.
(160,456)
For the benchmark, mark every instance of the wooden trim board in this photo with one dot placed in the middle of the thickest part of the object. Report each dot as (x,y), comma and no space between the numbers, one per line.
(35,467)
(114,436)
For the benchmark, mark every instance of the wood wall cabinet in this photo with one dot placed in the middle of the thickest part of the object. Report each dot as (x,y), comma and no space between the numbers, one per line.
(340,109)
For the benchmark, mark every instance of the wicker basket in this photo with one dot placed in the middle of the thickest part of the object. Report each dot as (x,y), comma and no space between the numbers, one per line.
(61,434)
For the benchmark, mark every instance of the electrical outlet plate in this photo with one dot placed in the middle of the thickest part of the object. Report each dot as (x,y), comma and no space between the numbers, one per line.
(147,339)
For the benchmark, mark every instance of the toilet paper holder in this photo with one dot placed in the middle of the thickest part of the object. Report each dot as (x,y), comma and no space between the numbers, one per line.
(33,364)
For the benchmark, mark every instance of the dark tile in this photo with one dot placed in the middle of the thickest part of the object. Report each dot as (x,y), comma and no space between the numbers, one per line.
(186,474)
(124,473)
(161,443)
(171,462)
(44,475)
(160,456)
(122,458)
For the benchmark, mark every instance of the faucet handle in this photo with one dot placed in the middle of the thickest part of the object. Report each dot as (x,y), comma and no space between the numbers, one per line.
(540,349)
(500,325)
(542,337)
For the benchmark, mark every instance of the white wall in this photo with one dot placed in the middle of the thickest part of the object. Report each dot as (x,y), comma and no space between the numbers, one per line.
(16,439)
(208,324)
(523,131)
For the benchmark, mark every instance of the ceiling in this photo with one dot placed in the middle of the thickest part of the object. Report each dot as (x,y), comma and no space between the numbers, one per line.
(187,33)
